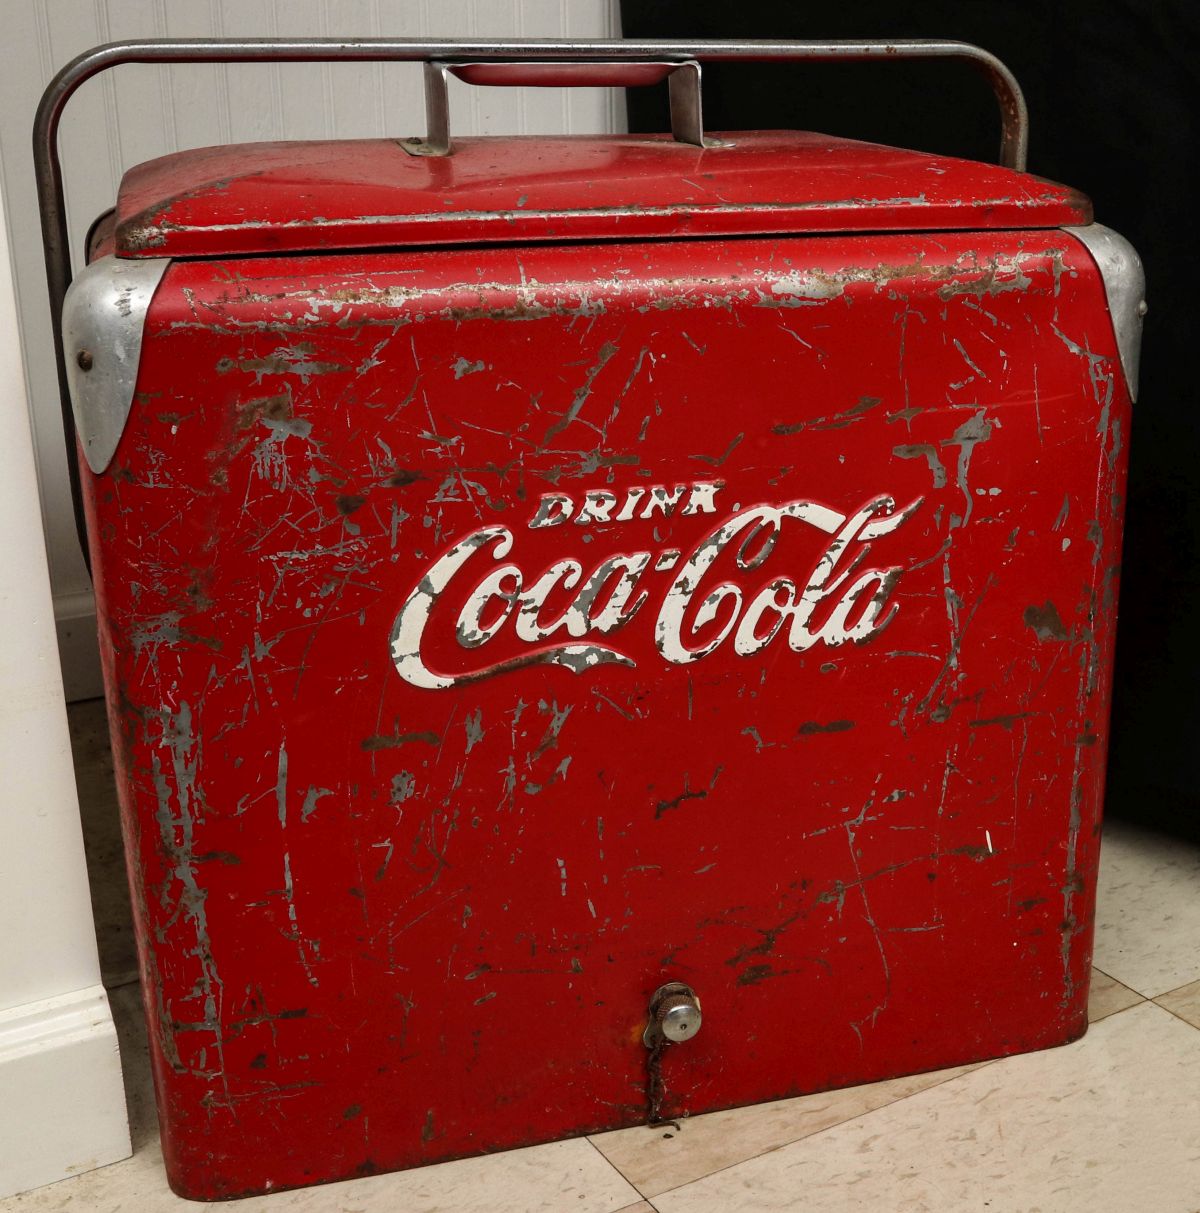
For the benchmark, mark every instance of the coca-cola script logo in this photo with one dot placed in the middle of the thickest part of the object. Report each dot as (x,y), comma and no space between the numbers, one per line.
(834,601)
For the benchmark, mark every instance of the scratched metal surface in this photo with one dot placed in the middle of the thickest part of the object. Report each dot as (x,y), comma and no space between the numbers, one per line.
(292,197)
(423,801)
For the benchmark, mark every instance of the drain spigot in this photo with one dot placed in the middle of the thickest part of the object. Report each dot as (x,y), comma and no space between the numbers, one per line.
(674,1015)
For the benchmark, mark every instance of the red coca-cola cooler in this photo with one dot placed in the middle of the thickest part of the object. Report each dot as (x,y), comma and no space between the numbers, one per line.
(596,629)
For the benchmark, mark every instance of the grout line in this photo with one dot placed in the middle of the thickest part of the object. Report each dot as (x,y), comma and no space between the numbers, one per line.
(1133,989)
(1105,973)
(1175,1015)
(975,1066)
(1168,993)
(1120,1011)
(1133,1006)
(614,1166)
(1138,997)
(1171,1011)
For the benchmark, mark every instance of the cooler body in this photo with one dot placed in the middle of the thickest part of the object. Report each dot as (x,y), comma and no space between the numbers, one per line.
(495,631)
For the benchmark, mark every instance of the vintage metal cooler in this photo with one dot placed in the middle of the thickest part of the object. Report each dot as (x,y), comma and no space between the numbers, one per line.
(551,588)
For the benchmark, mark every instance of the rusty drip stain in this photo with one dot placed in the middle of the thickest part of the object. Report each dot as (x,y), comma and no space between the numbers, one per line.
(656,1089)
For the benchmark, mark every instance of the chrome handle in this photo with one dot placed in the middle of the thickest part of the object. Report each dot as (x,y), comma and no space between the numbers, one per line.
(683,84)
(565,73)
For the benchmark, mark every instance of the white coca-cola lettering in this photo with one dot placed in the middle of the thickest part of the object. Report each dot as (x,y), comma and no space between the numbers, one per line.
(553,509)
(699,497)
(839,601)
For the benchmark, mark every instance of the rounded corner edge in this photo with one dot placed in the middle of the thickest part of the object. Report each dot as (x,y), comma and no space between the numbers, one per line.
(1124,279)
(103,317)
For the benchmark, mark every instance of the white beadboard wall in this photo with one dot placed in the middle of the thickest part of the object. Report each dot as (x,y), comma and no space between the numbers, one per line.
(137,112)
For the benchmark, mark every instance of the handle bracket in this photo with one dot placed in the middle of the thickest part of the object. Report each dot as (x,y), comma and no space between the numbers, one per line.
(682,76)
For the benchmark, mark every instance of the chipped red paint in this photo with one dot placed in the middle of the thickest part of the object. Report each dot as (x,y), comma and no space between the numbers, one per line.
(382,924)
(292,197)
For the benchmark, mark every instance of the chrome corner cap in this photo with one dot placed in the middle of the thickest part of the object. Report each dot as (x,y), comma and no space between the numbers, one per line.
(1125,289)
(103,316)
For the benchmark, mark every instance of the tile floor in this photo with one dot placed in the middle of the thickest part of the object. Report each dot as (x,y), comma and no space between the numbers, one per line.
(1110,1124)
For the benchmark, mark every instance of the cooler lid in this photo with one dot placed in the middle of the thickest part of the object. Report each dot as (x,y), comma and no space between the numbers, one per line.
(323,196)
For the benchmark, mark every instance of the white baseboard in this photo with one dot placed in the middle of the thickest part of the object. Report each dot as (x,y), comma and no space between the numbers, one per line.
(78,650)
(63,1104)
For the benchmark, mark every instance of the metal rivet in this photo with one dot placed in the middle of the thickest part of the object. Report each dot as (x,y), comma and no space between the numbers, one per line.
(84,360)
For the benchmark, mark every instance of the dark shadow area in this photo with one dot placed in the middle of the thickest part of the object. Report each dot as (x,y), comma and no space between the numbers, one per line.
(103,845)
(1112,93)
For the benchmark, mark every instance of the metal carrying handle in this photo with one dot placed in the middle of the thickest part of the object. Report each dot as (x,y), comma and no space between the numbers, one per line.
(683,84)
(487,53)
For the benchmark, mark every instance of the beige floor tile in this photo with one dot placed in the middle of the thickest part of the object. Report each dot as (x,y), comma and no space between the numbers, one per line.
(1148,912)
(657,1159)
(1184,1002)
(1107,996)
(1107,1125)
(102,841)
